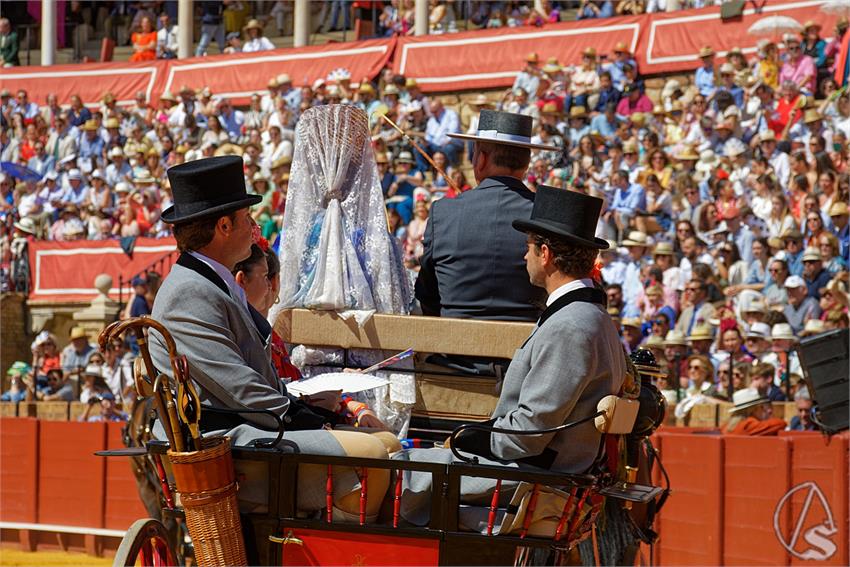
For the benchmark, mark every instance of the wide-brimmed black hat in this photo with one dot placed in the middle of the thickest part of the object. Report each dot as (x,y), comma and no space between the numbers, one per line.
(566,215)
(505,128)
(207,187)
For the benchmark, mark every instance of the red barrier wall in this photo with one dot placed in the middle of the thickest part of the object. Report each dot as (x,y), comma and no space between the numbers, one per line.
(18,469)
(123,506)
(735,499)
(695,466)
(757,472)
(827,467)
(71,479)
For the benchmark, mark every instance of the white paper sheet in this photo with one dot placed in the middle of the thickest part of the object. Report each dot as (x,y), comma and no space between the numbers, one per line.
(349,382)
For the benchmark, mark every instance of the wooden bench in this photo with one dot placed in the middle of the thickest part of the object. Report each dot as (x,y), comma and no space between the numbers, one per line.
(52,411)
(8,409)
(444,397)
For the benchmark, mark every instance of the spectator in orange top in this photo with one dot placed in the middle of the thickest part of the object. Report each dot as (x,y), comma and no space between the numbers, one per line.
(753,415)
(144,42)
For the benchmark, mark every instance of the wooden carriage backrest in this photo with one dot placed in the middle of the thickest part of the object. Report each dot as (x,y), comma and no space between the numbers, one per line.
(497,339)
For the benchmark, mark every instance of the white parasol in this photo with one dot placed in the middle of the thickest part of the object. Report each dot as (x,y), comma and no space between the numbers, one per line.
(775,26)
(837,8)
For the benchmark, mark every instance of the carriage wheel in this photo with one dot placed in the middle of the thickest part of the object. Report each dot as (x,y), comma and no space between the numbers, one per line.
(145,543)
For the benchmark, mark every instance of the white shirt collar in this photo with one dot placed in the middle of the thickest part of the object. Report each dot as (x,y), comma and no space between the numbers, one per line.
(567,288)
(222,271)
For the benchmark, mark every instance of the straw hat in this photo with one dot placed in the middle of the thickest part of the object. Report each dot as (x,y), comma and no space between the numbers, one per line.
(630,147)
(675,338)
(532,57)
(26,225)
(813,327)
(589,52)
(700,333)
(144,176)
(838,208)
(705,51)
(631,322)
(253,24)
(727,69)
(767,136)
(635,238)
(811,24)
(578,112)
(707,161)
(78,333)
(812,255)
(747,398)
(734,147)
(663,249)
(167,95)
(273,84)
(758,330)
(552,68)
(811,115)
(621,47)
(283,79)
(93,370)
(782,331)
(687,154)
(550,108)
(90,126)
(366,88)
(405,157)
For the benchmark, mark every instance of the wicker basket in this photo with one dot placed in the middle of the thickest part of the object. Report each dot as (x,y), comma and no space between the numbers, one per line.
(207,486)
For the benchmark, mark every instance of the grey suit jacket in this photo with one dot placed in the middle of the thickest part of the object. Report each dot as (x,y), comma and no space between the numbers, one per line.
(472,265)
(227,356)
(569,363)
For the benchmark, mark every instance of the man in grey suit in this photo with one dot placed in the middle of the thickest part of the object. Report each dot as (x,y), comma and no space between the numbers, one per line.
(572,360)
(206,311)
(472,264)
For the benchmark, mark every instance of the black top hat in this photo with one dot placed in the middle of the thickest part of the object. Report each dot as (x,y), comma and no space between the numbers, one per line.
(565,215)
(207,187)
(505,128)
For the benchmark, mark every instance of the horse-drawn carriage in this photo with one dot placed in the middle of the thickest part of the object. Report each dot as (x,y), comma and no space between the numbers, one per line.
(528,516)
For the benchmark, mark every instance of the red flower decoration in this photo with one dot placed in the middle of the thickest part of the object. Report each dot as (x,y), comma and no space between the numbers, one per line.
(263,244)
(596,271)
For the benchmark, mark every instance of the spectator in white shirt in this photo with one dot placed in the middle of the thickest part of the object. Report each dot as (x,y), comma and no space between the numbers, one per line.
(166,38)
(256,41)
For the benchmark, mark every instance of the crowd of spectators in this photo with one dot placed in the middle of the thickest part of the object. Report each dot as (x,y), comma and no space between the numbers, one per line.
(103,381)
(725,193)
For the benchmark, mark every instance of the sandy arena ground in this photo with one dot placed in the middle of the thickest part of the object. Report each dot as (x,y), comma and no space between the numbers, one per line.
(17,558)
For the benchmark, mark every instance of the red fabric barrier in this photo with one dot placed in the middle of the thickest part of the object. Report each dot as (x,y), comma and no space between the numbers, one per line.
(231,75)
(671,41)
(71,479)
(757,473)
(662,43)
(65,271)
(239,76)
(123,506)
(492,58)
(18,469)
(691,522)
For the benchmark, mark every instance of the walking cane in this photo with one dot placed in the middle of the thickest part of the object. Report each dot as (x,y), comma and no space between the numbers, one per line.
(423,153)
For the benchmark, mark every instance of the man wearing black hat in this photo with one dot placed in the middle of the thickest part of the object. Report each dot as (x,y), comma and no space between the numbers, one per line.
(225,340)
(472,262)
(572,359)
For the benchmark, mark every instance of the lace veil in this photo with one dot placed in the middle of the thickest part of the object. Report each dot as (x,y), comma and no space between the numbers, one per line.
(336,252)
